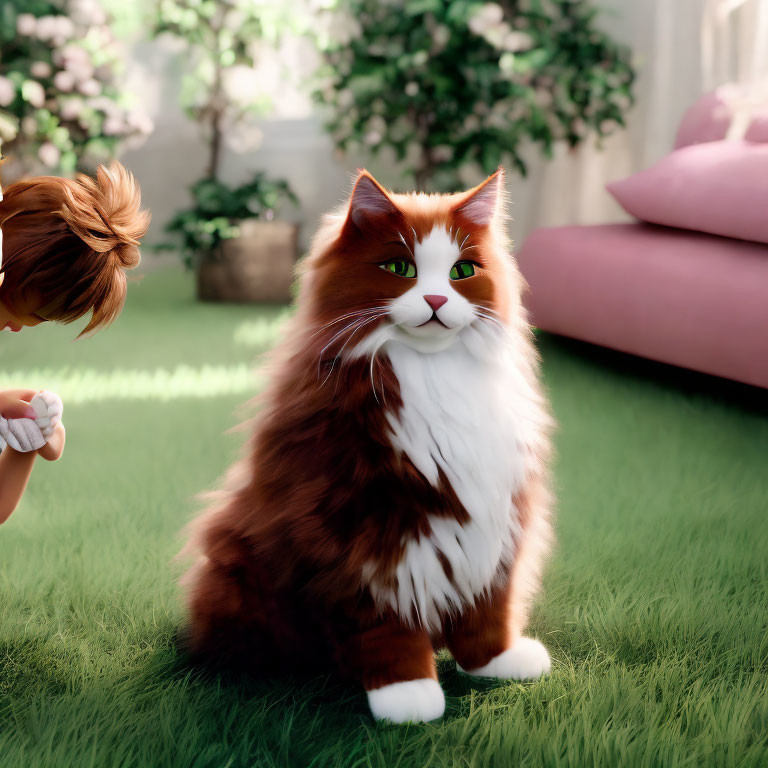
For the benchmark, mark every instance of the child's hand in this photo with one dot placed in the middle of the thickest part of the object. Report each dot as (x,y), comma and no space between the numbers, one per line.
(32,432)
(53,449)
(14,404)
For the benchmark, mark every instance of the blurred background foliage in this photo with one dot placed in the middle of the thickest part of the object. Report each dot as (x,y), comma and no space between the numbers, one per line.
(62,103)
(438,86)
(445,83)
(222,41)
(217,208)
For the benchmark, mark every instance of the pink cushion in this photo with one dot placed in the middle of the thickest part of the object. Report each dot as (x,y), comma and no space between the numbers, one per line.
(709,119)
(679,297)
(758,128)
(720,187)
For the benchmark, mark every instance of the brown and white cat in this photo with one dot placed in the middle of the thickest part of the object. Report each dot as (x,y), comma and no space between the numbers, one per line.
(394,495)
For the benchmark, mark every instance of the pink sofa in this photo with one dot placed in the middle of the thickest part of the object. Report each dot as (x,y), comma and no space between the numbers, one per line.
(675,296)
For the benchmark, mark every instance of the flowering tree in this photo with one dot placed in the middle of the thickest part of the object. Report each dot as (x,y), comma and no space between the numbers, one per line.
(222,42)
(61,105)
(449,82)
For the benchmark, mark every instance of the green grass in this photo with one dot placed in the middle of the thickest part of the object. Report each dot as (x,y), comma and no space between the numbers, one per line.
(654,607)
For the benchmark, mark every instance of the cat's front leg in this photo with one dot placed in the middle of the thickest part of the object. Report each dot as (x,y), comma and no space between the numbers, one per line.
(483,643)
(396,665)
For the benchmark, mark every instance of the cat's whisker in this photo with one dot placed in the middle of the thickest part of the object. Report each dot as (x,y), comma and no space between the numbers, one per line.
(362,315)
(344,330)
(489,318)
(360,326)
(486,316)
(405,243)
(359,312)
(461,247)
(373,384)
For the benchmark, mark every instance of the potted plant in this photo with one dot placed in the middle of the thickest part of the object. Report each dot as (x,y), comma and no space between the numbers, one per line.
(229,233)
(62,106)
(446,83)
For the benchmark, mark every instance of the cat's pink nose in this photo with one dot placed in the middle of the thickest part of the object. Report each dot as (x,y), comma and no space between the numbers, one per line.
(435,300)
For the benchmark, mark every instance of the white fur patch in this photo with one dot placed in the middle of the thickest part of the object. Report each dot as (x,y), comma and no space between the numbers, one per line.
(527,659)
(415,701)
(469,412)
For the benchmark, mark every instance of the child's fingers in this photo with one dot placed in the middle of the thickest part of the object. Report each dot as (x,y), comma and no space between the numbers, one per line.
(16,408)
(19,394)
(14,404)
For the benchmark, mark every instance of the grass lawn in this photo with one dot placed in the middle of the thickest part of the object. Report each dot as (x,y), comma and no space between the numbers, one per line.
(655,607)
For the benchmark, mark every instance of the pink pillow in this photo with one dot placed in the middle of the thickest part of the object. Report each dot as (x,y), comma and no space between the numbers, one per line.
(720,187)
(709,118)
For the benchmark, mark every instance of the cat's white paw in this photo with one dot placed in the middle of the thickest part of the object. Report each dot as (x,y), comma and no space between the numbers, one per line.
(416,701)
(527,659)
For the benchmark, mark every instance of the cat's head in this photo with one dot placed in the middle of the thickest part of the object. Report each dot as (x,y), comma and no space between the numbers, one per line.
(415,268)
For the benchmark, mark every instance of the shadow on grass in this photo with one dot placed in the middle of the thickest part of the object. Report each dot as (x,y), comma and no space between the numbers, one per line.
(633,370)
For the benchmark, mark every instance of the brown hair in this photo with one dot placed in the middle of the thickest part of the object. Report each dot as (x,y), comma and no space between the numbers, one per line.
(69,241)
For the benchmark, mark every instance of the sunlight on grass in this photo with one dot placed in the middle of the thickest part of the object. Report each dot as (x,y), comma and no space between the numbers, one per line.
(262,332)
(184,381)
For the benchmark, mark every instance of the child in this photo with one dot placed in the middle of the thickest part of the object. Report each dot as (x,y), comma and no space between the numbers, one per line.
(65,247)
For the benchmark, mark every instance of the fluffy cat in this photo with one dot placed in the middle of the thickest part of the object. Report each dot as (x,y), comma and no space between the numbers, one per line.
(394,495)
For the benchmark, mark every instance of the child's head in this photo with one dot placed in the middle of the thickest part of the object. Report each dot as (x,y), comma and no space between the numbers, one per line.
(66,245)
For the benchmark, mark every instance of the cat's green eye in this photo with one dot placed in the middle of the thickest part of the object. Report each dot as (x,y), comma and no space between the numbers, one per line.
(400,267)
(462,269)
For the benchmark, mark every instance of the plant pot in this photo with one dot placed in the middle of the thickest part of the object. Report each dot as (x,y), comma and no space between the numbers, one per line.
(257,266)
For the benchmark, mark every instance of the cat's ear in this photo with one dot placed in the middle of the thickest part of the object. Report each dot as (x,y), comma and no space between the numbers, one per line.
(478,206)
(370,206)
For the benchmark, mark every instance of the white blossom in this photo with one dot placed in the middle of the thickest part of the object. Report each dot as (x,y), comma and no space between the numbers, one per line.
(411,89)
(440,36)
(71,108)
(64,81)
(89,88)
(241,84)
(9,128)
(26,24)
(34,93)
(516,41)
(40,69)
(7,91)
(113,126)
(141,122)
(29,126)
(49,154)
(47,27)
(488,16)
(86,12)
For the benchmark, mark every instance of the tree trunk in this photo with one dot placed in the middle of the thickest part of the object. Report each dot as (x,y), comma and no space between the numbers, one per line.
(214,158)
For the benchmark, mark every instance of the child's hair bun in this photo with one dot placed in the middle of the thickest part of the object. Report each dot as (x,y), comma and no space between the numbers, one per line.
(105,213)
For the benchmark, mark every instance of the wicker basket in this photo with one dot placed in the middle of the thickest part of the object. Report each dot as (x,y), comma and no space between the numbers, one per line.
(255,267)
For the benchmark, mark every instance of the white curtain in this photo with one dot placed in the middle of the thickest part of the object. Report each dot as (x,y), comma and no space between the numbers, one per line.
(681,48)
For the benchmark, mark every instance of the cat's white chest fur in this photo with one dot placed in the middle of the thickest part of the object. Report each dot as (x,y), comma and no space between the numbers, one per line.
(469,413)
